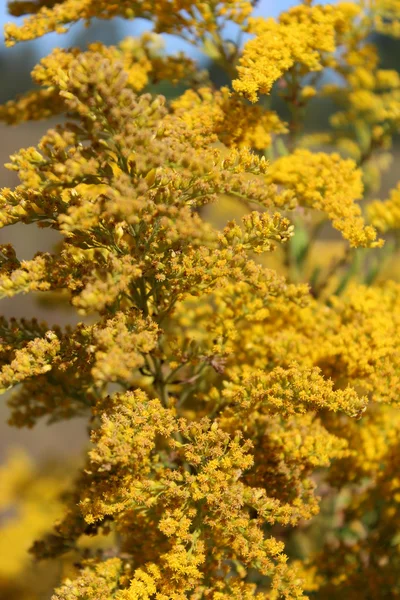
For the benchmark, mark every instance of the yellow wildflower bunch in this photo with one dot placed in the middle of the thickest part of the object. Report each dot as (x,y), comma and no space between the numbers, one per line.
(366,95)
(194,18)
(142,59)
(330,184)
(369,112)
(227,401)
(386,215)
(305,36)
(219,113)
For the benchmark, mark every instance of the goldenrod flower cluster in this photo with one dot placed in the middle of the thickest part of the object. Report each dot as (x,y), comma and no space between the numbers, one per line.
(305,37)
(234,380)
(197,19)
(386,215)
(220,114)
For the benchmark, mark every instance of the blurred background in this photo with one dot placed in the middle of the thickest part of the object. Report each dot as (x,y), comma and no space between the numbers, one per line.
(15,66)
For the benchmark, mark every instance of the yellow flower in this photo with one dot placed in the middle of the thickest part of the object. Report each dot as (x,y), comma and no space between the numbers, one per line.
(386,215)
(303,36)
(328,183)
